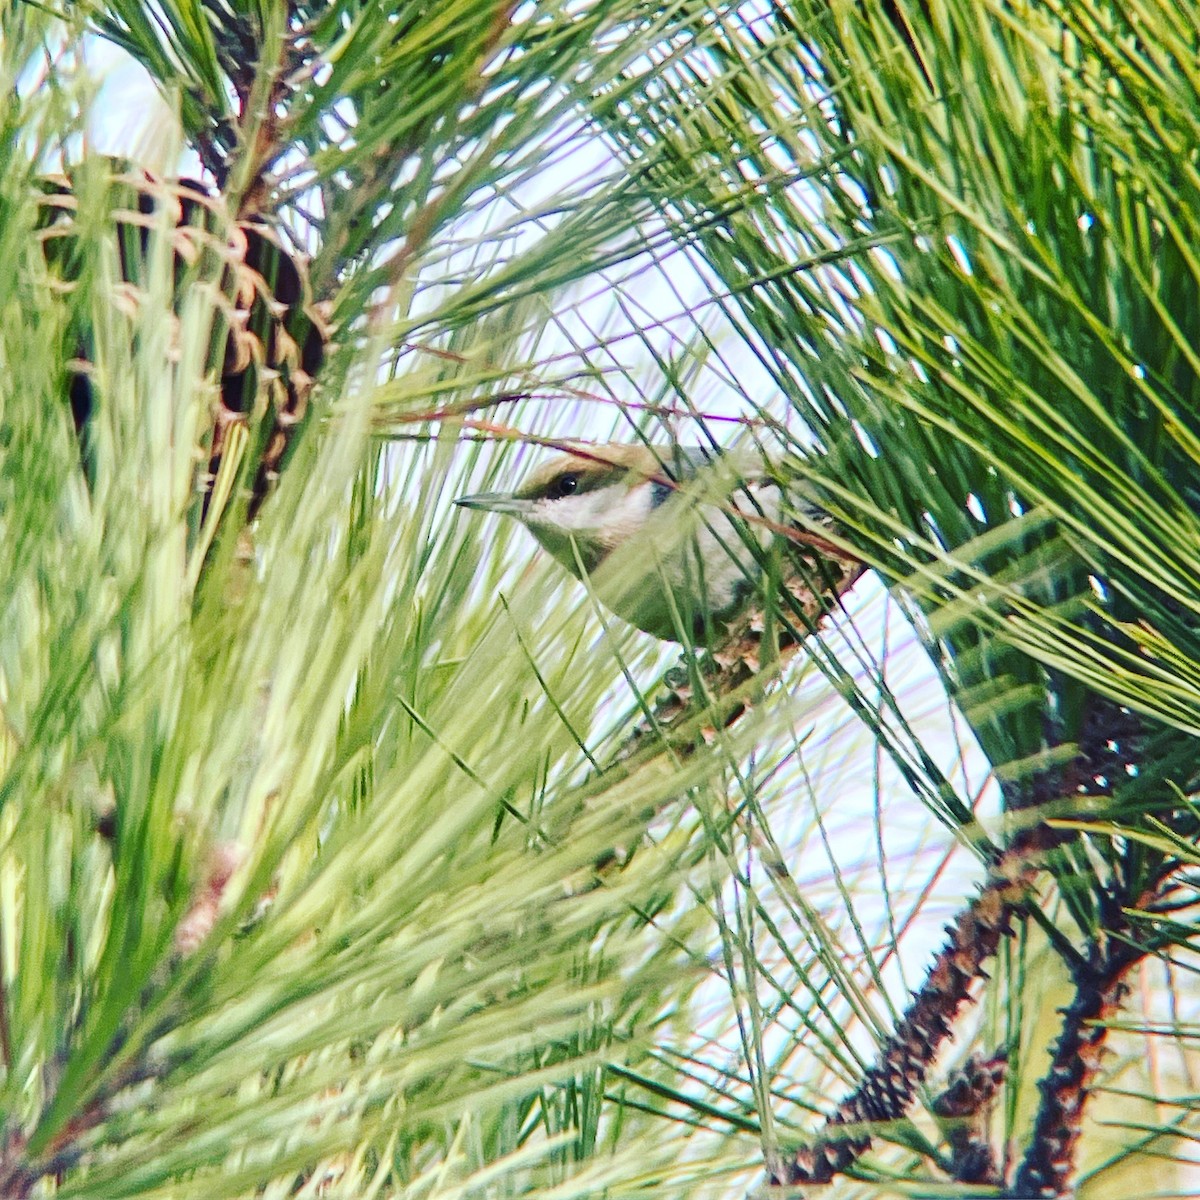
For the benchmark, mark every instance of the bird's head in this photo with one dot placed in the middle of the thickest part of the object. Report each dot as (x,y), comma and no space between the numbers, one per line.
(584,505)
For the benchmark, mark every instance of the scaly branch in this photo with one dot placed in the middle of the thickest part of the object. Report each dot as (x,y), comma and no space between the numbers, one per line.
(1100,986)
(889,1087)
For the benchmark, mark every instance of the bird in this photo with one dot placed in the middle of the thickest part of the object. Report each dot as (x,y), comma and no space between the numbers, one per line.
(676,536)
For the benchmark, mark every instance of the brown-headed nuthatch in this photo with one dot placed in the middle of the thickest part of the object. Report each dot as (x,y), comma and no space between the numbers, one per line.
(687,530)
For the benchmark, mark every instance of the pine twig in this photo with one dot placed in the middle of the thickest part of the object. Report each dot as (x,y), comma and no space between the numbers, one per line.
(733,672)
(1112,739)
(1049,1162)
(890,1085)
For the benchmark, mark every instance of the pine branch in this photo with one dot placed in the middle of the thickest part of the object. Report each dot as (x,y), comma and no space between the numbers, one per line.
(21,1171)
(1100,987)
(1110,737)
(889,1087)
(732,673)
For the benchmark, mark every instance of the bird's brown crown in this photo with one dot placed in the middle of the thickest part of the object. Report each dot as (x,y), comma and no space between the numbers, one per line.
(585,470)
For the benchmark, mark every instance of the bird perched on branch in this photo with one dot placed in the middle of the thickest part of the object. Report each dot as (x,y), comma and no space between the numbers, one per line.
(680,536)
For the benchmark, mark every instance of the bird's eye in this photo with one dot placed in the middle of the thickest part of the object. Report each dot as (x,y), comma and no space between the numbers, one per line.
(563,485)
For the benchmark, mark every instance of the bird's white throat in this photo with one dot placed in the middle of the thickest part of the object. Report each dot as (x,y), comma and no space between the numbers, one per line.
(597,522)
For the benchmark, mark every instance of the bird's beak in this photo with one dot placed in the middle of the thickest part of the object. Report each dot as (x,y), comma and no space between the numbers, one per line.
(497,502)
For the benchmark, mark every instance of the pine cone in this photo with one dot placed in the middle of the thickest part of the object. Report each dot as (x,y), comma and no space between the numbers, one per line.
(269,337)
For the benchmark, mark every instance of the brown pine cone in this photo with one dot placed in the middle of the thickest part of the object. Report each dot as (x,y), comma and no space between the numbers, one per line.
(274,336)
